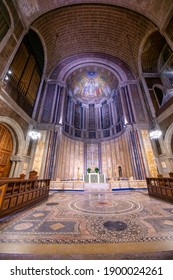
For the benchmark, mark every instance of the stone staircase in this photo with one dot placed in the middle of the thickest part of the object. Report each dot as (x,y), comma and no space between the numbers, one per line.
(97,187)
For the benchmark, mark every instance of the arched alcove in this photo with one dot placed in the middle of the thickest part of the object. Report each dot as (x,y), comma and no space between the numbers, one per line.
(155,62)
(94,99)
(23,77)
(168,141)
(17,134)
(18,140)
(6,149)
(5,21)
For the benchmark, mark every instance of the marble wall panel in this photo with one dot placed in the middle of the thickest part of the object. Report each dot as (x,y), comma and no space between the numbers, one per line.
(73,163)
(38,158)
(149,153)
(71,158)
(112,143)
(92,155)
(115,153)
(103,156)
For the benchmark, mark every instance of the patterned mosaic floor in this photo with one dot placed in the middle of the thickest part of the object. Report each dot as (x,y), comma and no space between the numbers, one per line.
(126,217)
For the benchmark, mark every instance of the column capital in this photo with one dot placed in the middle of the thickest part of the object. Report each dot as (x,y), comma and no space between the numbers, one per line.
(98,106)
(61,84)
(58,127)
(126,83)
(16,158)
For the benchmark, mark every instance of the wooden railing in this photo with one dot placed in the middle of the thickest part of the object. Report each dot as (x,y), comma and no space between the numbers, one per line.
(16,193)
(161,187)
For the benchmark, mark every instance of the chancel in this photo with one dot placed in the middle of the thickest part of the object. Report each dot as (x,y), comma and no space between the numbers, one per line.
(86,129)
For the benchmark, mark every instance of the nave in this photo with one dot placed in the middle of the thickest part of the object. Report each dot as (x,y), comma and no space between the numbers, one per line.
(90,225)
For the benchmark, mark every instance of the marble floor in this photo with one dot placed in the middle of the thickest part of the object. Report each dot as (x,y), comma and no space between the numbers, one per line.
(89,225)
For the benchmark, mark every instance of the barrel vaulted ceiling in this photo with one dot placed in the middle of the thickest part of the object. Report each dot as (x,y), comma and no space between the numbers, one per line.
(112,27)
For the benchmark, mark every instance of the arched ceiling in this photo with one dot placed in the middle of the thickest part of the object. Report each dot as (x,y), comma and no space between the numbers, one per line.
(156,10)
(105,29)
(91,83)
(111,27)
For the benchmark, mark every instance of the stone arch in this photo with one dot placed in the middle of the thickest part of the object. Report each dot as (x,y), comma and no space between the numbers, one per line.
(167,140)
(6,150)
(17,134)
(141,49)
(115,65)
(159,93)
(43,45)
(10,30)
(150,51)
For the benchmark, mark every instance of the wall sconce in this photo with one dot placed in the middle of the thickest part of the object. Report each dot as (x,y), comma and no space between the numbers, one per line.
(155,134)
(8,74)
(34,134)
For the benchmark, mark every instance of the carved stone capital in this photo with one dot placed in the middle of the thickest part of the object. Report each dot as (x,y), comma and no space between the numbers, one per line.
(16,158)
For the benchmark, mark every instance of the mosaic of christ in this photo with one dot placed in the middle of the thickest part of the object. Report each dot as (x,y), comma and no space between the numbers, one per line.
(91,83)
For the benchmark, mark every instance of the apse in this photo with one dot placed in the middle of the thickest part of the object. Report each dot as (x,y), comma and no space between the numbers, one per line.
(92,107)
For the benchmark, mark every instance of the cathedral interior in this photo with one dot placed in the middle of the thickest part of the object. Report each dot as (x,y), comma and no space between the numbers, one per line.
(86,104)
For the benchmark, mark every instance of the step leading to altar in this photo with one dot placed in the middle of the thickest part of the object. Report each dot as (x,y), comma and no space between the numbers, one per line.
(80,185)
(97,187)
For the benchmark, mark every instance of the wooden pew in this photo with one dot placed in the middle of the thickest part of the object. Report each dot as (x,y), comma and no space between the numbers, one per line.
(161,187)
(16,194)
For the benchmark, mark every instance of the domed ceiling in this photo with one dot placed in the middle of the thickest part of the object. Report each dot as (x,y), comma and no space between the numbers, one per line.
(91,83)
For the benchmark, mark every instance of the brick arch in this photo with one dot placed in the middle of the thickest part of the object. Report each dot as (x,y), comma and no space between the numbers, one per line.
(95,29)
(150,51)
(151,10)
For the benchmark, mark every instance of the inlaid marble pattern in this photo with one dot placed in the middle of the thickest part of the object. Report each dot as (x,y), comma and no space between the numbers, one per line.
(87,217)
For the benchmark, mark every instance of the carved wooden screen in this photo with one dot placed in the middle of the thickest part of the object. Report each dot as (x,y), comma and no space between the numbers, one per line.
(6,147)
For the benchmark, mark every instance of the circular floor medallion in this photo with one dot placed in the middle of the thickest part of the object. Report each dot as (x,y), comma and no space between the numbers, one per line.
(106,205)
(110,231)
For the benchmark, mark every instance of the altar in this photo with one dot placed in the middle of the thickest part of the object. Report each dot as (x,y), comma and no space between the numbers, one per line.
(92,178)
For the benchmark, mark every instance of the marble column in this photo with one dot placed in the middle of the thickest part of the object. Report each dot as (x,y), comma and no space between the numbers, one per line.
(16,166)
(113,112)
(61,117)
(38,98)
(122,97)
(57,100)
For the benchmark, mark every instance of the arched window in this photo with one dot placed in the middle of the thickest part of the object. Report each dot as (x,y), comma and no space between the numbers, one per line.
(5,21)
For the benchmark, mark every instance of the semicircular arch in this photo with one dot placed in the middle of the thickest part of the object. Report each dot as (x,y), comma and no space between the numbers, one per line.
(167,140)
(16,131)
(117,67)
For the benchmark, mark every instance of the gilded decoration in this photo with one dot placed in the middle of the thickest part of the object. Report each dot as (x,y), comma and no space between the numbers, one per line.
(149,154)
(91,83)
(39,152)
